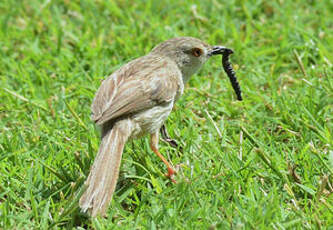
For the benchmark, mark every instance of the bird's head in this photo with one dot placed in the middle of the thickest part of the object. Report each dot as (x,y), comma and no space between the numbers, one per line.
(188,53)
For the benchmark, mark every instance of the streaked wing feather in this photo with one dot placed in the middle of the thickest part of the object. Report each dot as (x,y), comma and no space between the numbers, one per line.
(121,95)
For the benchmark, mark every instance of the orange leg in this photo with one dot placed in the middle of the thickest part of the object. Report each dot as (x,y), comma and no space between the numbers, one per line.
(154,146)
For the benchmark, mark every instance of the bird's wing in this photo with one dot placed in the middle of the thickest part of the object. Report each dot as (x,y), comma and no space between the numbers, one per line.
(137,86)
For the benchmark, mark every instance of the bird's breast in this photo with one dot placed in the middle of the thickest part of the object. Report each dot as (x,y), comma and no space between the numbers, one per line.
(149,121)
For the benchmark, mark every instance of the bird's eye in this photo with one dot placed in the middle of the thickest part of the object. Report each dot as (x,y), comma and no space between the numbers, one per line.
(197,52)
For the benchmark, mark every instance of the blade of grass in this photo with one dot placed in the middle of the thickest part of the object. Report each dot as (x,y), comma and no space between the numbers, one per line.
(266,159)
(299,62)
(24,99)
(70,207)
(76,116)
(49,168)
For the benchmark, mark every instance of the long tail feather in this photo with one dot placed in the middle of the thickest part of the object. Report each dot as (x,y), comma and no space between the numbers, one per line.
(103,175)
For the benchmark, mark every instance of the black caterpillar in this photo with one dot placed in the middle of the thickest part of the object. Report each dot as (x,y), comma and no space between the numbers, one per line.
(231,73)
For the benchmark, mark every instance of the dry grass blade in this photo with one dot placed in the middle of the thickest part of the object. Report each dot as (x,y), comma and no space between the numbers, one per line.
(300,63)
(24,99)
(76,116)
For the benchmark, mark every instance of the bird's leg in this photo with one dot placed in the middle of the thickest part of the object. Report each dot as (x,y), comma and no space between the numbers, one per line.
(154,146)
(168,139)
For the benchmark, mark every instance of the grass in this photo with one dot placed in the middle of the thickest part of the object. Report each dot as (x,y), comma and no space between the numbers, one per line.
(264,163)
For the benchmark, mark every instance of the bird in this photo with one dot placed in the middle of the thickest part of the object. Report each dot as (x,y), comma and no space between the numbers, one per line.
(135,101)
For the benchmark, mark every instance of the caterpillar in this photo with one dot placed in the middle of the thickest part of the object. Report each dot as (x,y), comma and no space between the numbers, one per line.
(231,73)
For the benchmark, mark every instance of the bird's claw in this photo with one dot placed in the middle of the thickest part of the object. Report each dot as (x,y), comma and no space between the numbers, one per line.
(172,172)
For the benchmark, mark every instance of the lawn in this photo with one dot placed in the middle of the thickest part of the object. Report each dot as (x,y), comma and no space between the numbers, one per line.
(263,163)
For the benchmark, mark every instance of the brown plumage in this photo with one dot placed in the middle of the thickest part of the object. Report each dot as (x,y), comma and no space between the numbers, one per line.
(135,100)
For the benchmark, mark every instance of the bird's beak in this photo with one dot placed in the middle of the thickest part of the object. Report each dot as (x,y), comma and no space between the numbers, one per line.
(216,50)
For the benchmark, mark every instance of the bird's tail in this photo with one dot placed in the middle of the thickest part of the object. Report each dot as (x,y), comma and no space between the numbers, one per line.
(103,175)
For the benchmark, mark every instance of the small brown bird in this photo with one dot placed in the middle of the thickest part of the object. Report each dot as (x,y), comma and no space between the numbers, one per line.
(134,101)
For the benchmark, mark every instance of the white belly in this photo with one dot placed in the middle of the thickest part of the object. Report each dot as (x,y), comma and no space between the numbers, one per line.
(150,121)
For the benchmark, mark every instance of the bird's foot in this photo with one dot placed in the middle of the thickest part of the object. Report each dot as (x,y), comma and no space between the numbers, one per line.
(172,172)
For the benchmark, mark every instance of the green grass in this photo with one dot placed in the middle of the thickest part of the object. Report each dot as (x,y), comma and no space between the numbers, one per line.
(264,163)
